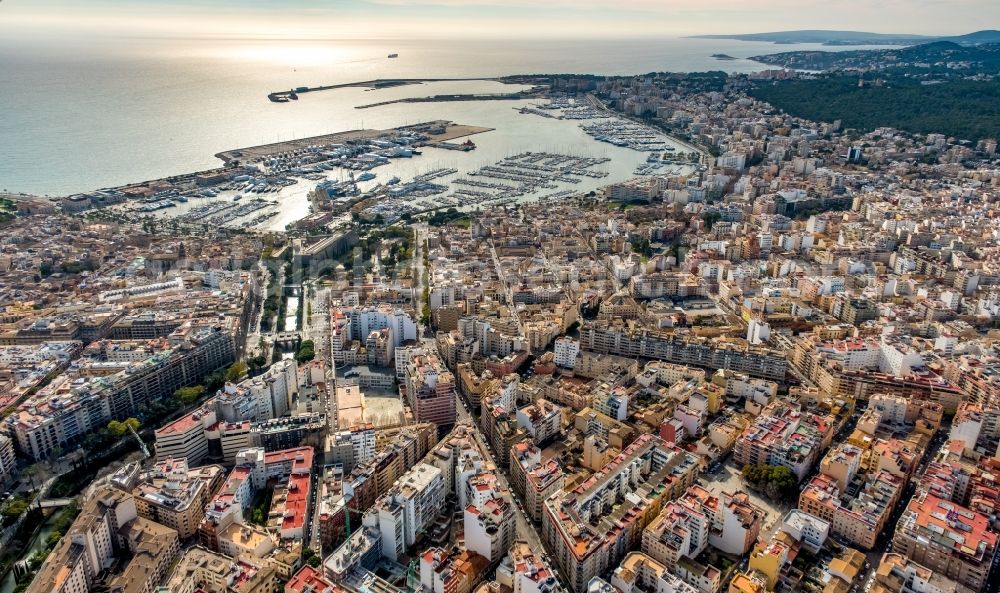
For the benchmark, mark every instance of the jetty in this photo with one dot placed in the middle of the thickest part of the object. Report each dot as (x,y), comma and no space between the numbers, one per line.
(380,83)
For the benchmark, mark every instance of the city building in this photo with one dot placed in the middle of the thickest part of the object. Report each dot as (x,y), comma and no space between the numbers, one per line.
(586,535)
(947,538)
(430,390)
(175,495)
(858,516)
(409,508)
(532,478)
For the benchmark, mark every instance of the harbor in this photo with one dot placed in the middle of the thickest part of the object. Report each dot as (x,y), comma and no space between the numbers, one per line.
(519,177)
(386,172)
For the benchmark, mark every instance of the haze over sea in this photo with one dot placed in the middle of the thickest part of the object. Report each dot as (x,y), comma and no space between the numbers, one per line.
(81,116)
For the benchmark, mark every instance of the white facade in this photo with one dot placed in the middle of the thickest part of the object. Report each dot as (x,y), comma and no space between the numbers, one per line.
(363,321)
(899,360)
(185,437)
(809,530)
(758,331)
(489,529)
(409,508)
(363,444)
(566,350)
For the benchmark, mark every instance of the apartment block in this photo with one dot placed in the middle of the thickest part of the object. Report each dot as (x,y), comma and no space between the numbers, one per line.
(409,508)
(858,516)
(490,528)
(808,530)
(947,538)
(175,495)
(783,435)
(588,535)
(898,574)
(62,419)
(640,572)
(532,478)
(430,390)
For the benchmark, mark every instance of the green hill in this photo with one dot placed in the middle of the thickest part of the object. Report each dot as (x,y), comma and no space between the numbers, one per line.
(965,109)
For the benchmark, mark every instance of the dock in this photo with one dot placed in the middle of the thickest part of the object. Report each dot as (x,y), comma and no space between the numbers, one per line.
(437,131)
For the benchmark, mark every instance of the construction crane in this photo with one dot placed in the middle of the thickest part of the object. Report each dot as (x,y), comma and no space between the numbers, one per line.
(142,444)
(412,578)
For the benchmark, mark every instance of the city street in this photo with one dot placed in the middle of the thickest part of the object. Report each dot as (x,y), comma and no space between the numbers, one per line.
(526,531)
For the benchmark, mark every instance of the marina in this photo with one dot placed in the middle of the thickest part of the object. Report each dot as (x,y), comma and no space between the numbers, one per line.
(520,176)
(626,134)
(384,173)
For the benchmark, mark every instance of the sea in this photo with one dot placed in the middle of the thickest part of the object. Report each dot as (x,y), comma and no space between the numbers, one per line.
(79,116)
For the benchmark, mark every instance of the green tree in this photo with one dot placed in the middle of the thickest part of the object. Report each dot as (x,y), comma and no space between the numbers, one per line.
(257,362)
(710,217)
(307,351)
(53,539)
(776,481)
(189,395)
(236,372)
(118,429)
(15,508)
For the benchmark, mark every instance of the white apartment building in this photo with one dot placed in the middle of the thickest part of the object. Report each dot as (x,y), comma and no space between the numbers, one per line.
(409,508)
(566,350)
(490,528)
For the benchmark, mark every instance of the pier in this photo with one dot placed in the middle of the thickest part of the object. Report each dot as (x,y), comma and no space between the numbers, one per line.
(452,98)
(436,131)
(381,83)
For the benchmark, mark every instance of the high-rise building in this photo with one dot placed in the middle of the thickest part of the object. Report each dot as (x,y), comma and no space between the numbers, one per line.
(47,421)
(363,443)
(566,350)
(409,508)
(524,571)
(430,390)
(534,479)
(107,531)
(898,574)
(858,518)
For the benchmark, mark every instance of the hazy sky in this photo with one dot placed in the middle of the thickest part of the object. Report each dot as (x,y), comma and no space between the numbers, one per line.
(494,18)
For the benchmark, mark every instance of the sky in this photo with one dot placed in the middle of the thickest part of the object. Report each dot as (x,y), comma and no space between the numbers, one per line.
(358,19)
